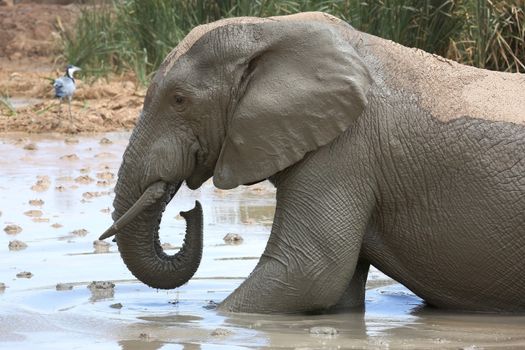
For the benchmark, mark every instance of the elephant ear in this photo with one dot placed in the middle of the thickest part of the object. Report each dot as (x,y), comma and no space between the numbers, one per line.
(303,85)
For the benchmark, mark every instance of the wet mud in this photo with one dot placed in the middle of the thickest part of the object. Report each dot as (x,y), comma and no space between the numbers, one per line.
(61,288)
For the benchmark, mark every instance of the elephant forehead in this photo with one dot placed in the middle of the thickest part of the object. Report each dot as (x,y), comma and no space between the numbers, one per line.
(198,32)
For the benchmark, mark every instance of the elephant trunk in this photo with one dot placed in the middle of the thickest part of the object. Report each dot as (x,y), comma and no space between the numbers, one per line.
(137,236)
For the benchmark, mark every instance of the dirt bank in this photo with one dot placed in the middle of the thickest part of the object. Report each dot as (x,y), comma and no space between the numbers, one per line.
(29,62)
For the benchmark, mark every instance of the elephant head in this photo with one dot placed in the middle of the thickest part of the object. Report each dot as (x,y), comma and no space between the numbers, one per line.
(239,100)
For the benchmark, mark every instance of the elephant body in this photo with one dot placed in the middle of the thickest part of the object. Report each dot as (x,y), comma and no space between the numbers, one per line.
(381,155)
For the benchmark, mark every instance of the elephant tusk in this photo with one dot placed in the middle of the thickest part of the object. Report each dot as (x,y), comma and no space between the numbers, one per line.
(152,194)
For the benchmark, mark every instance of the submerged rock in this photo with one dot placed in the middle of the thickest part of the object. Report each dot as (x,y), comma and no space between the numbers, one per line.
(64,179)
(101,246)
(69,157)
(221,332)
(71,140)
(24,274)
(116,306)
(101,285)
(106,175)
(101,290)
(12,229)
(233,238)
(105,155)
(81,232)
(40,219)
(33,213)
(105,141)
(168,246)
(17,245)
(84,179)
(42,184)
(90,195)
(326,331)
(36,202)
(144,336)
(31,146)
(64,286)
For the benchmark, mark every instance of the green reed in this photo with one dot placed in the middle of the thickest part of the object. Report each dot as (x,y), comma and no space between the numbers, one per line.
(136,35)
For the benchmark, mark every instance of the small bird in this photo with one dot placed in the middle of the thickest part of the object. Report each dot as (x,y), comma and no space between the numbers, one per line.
(65,87)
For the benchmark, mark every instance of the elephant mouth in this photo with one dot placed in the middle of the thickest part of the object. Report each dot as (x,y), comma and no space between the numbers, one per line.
(152,195)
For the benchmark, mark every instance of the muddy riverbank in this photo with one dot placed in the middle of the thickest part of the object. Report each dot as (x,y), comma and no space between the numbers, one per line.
(31,58)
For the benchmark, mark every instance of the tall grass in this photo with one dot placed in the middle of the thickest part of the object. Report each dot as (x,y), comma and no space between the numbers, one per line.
(494,37)
(136,35)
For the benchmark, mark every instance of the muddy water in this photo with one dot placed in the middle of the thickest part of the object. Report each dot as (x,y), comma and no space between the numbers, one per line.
(55,196)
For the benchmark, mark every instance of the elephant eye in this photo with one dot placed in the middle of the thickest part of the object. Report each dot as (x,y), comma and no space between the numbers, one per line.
(179,99)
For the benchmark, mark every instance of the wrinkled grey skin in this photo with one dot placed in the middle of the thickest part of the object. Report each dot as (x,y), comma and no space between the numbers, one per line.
(371,166)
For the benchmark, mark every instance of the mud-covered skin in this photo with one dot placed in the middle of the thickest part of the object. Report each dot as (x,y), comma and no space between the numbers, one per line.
(449,220)
(375,158)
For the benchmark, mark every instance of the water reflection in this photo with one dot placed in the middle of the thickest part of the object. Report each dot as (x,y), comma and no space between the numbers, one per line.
(143,344)
(248,213)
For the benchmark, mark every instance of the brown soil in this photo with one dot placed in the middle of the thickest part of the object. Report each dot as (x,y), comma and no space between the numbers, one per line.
(30,61)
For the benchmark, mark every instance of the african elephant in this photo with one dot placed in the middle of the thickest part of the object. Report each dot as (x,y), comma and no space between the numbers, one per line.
(380,154)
